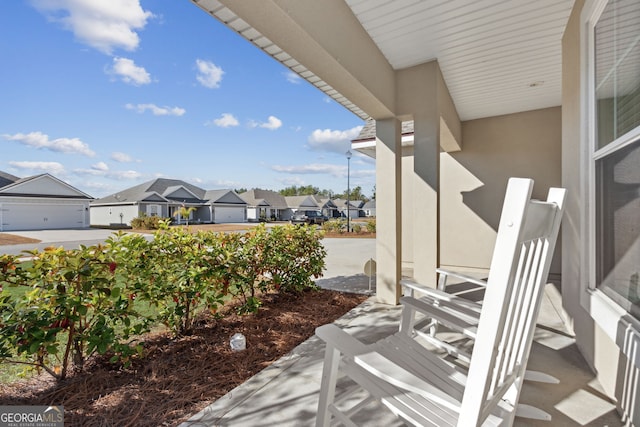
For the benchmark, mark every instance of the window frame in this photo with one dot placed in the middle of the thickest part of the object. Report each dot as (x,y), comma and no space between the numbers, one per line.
(604,310)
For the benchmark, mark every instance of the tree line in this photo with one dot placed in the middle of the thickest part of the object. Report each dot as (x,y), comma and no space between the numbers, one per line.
(310,190)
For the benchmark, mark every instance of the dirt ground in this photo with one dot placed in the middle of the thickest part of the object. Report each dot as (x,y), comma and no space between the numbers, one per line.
(178,377)
(13,239)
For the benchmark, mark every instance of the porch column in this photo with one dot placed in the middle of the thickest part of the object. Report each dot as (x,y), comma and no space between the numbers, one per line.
(388,210)
(426,203)
(418,97)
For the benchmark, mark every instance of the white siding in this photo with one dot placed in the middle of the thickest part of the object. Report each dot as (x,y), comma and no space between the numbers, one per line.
(229,214)
(107,215)
(43,216)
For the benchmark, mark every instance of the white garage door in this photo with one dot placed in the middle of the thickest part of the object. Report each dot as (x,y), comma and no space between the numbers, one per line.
(222,215)
(24,216)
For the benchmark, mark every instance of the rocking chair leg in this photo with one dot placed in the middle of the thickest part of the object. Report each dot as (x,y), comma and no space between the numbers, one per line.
(328,386)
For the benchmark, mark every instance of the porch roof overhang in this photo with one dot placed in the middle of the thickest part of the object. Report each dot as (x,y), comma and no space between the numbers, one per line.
(496,57)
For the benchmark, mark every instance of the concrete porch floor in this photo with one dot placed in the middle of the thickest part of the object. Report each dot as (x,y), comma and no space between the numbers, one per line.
(286,393)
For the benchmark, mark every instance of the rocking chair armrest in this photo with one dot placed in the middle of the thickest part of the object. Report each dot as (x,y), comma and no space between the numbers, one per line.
(340,340)
(437,295)
(459,318)
(462,276)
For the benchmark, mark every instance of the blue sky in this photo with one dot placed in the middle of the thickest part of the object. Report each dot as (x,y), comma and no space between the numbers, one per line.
(108,94)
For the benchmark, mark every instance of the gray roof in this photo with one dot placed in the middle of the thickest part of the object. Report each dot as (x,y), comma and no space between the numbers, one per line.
(160,188)
(301,202)
(224,196)
(368,132)
(371,204)
(4,177)
(7,178)
(342,203)
(257,197)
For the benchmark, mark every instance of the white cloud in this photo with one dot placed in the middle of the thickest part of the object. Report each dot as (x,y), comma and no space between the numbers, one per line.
(272,123)
(60,145)
(209,74)
(54,168)
(293,77)
(157,111)
(226,120)
(337,141)
(103,25)
(293,180)
(100,166)
(121,157)
(97,170)
(129,72)
(337,171)
(313,168)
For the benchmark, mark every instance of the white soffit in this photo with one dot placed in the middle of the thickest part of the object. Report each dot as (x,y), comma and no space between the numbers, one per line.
(497,57)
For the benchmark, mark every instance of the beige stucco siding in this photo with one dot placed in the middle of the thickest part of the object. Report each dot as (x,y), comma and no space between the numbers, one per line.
(473,182)
(596,346)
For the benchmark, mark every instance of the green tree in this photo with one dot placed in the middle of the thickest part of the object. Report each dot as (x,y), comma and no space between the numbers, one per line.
(184,212)
(354,194)
(304,190)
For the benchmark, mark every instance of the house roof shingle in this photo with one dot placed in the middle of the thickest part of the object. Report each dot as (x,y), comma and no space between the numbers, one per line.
(7,178)
(257,197)
(163,188)
(368,132)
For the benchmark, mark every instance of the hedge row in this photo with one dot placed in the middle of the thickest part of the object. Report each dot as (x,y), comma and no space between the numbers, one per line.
(101,299)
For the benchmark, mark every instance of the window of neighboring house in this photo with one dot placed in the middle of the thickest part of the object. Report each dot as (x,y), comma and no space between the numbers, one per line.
(153,210)
(615,138)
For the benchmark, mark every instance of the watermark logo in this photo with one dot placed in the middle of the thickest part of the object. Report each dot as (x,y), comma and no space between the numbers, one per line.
(31,416)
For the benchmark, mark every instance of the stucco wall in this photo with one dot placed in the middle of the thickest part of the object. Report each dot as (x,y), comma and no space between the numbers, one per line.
(597,348)
(474,180)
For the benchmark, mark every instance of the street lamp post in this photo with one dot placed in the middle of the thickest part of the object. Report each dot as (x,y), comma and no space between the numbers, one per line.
(348,153)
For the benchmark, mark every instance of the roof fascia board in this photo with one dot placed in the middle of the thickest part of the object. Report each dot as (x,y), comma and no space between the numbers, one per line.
(314,33)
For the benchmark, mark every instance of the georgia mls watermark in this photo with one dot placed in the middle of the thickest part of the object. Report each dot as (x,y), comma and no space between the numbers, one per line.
(31,416)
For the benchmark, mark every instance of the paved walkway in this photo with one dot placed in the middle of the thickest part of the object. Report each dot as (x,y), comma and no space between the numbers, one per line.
(286,393)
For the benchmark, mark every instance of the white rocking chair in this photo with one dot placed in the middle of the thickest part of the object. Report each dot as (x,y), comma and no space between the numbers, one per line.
(424,389)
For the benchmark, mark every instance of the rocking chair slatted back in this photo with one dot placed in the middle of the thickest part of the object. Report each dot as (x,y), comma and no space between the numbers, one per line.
(520,265)
(423,388)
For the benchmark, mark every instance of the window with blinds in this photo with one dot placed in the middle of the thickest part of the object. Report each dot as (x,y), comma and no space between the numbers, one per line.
(616,154)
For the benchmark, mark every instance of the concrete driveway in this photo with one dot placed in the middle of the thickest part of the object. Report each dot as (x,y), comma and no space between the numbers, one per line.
(68,238)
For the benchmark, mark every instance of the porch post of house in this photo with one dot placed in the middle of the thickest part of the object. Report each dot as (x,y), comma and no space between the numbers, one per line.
(418,95)
(389,210)
(426,199)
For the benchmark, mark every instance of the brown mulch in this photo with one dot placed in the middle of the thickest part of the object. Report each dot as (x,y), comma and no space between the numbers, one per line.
(13,239)
(179,377)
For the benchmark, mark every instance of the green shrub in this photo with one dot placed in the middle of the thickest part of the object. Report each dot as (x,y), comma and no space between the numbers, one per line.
(371,225)
(99,299)
(74,309)
(335,226)
(356,228)
(145,222)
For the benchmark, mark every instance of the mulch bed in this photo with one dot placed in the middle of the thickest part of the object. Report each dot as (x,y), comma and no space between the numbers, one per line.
(180,376)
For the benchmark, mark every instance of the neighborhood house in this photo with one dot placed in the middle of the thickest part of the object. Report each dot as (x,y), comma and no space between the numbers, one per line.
(164,198)
(41,202)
